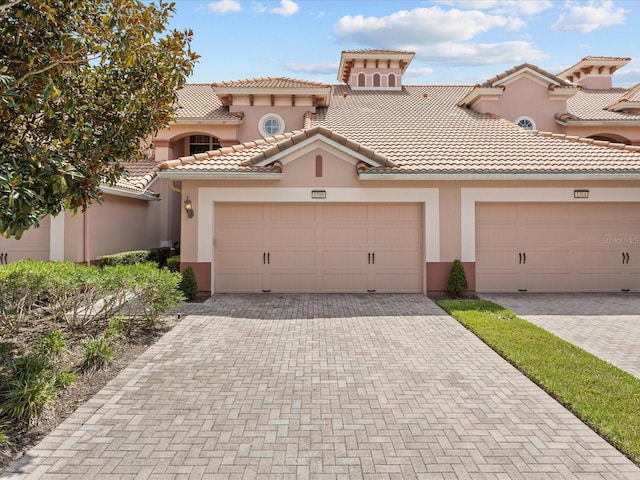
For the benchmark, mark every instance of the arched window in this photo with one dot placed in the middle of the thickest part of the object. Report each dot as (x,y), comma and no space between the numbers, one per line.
(526,122)
(392,80)
(202,143)
(376,79)
(361,80)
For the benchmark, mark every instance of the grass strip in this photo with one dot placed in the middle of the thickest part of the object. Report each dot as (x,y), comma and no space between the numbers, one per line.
(600,394)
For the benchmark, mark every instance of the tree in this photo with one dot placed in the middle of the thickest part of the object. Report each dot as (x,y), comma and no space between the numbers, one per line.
(81,83)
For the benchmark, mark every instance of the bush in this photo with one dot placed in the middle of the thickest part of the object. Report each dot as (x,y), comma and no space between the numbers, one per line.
(21,286)
(188,284)
(153,291)
(457,283)
(159,256)
(98,352)
(125,258)
(173,264)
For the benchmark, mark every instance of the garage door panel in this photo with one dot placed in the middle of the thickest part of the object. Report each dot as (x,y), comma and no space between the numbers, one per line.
(346,235)
(235,282)
(290,235)
(344,282)
(320,247)
(568,247)
(240,236)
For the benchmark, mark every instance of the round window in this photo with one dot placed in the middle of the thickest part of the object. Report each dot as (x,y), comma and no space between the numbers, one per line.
(526,122)
(271,124)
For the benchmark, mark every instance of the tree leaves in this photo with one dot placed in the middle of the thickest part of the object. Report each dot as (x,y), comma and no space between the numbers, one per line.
(81,83)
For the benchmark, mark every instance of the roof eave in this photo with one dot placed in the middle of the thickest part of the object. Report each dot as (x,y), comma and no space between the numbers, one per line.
(596,123)
(498,176)
(130,193)
(208,121)
(205,175)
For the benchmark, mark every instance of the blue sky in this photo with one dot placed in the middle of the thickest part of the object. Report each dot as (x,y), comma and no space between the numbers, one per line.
(456,41)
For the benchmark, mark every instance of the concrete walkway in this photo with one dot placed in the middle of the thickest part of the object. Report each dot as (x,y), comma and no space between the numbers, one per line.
(604,324)
(322,387)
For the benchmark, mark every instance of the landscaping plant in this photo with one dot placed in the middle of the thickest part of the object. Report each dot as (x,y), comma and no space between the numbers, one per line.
(457,283)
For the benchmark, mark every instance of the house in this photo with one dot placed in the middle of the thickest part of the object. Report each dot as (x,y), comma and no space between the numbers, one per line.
(282,185)
(531,179)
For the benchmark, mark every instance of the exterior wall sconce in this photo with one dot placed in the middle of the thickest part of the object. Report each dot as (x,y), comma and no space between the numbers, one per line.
(188,207)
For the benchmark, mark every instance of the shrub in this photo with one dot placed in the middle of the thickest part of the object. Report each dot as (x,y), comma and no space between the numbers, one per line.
(159,256)
(173,264)
(188,284)
(153,291)
(21,285)
(124,258)
(457,283)
(98,352)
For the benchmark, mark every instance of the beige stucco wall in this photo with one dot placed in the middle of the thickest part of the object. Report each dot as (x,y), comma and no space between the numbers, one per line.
(526,97)
(119,224)
(629,133)
(33,244)
(293,118)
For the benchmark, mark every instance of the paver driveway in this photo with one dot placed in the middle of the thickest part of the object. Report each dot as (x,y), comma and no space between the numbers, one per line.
(604,324)
(323,387)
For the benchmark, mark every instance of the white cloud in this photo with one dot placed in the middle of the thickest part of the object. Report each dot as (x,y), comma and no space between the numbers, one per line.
(509,7)
(515,23)
(225,6)
(286,8)
(413,73)
(592,16)
(313,68)
(462,54)
(421,25)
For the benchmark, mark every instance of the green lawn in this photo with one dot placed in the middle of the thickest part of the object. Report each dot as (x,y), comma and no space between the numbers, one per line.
(601,395)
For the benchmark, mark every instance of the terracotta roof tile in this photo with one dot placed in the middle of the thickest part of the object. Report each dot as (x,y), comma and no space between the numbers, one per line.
(593,105)
(550,76)
(379,51)
(420,129)
(197,100)
(269,82)
(138,175)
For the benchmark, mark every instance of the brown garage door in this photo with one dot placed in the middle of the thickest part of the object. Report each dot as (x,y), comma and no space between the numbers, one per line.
(318,248)
(557,247)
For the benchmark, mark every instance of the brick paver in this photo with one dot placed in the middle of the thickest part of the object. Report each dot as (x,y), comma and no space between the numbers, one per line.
(604,324)
(322,387)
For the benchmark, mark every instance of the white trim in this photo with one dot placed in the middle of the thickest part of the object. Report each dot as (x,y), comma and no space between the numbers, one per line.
(470,196)
(213,175)
(429,197)
(529,119)
(122,192)
(537,77)
(56,237)
(271,116)
(498,176)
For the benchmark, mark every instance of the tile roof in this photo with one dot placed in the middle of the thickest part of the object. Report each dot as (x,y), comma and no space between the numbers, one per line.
(198,100)
(586,62)
(137,178)
(551,77)
(419,129)
(379,51)
(632,94)
(593,105)
(269,82)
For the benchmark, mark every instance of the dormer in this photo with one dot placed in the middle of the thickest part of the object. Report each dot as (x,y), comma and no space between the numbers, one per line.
(272,91)
(594,73)
(373,69)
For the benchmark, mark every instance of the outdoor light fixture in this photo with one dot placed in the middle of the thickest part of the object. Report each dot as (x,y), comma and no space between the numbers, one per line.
(188,207)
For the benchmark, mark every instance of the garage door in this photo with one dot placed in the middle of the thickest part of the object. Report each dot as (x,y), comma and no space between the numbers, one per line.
(558,247)
(318,248)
